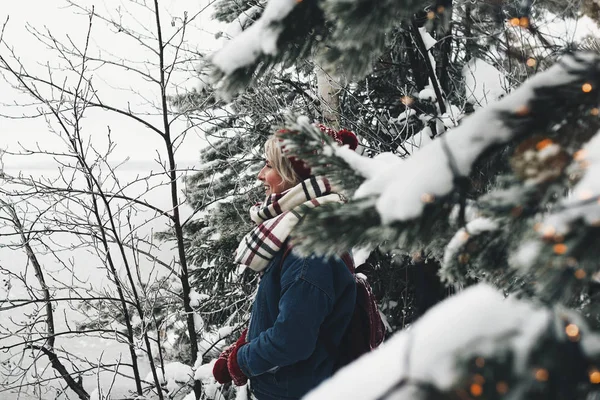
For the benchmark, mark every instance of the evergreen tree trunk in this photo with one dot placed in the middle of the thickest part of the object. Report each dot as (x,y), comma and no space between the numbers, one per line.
(329,89)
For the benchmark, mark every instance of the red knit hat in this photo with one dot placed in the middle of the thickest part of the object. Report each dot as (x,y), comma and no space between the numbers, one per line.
(342,137)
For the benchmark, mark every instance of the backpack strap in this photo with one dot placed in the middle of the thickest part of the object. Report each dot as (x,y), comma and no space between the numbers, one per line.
(349,261)
(288,249)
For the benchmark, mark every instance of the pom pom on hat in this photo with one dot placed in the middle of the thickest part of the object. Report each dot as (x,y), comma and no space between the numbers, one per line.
(349,138)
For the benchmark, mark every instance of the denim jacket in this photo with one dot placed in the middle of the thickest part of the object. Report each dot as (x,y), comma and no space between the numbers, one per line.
(296,306)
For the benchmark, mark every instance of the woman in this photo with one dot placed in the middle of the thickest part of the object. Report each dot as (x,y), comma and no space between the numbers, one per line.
(303,305)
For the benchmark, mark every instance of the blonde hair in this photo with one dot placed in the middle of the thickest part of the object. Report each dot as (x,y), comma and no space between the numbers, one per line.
(279,162)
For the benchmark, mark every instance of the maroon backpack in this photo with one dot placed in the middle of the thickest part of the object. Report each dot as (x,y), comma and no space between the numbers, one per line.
(366,330)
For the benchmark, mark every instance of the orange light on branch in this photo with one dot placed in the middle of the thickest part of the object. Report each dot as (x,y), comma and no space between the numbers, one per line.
(441,9)
(463,236)
(560,248)
(478,378)
(580,155)
(427,198)
(522,111)
(594,375)
(595,111)
(542,144)
(480,362)
(407,101)
(531,62)
(476,390)
(587,87)
(580,273)
(502,387)
(541,374)
(548,232)
(524,22)
(586,194)
(572,330)
(514,21)
(430,15)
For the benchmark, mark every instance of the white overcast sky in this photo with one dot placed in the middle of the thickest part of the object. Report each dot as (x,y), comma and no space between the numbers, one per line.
(114,86)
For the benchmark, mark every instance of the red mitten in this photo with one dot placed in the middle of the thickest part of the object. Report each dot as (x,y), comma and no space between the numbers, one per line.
(239,379)
(220,370)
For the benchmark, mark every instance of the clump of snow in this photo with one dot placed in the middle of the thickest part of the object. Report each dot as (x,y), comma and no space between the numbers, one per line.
(404,116)
(360,255)
(548,151)
(421,139)
(260,38)
(176,375)
(190,396)
(212,342)
(480,225)
(204,371)
(473,228)
(427,38)
(584,201)
(238,25)
(429,42)
(451,117)
(472,211)
(428,94)
(483,82)
(209,384)
(473,323)
(368,167)
(400,185)
(196,298)
(95,395)
(241,392)
(526,254)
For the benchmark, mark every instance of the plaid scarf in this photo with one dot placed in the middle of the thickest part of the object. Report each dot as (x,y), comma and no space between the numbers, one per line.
(277,216)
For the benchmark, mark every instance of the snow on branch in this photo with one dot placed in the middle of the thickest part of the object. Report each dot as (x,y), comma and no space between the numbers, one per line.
(260,39)
(285,32)
(405,186)
(562,255)
(289,30)
(484,84)
(584,201)
(473,334)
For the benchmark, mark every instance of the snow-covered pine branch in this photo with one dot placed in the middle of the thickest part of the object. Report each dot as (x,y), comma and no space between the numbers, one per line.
(433,170)
(583,204)
(290,30)
(284,33)
(401,199)
(476,344)
(561,253)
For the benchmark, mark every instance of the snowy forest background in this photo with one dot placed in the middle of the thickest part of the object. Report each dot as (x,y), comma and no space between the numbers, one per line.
(132,135)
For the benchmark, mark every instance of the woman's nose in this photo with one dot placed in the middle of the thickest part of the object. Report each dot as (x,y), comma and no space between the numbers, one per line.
(261,174)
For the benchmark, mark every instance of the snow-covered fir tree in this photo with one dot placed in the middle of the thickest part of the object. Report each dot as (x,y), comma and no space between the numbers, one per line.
(473,122)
